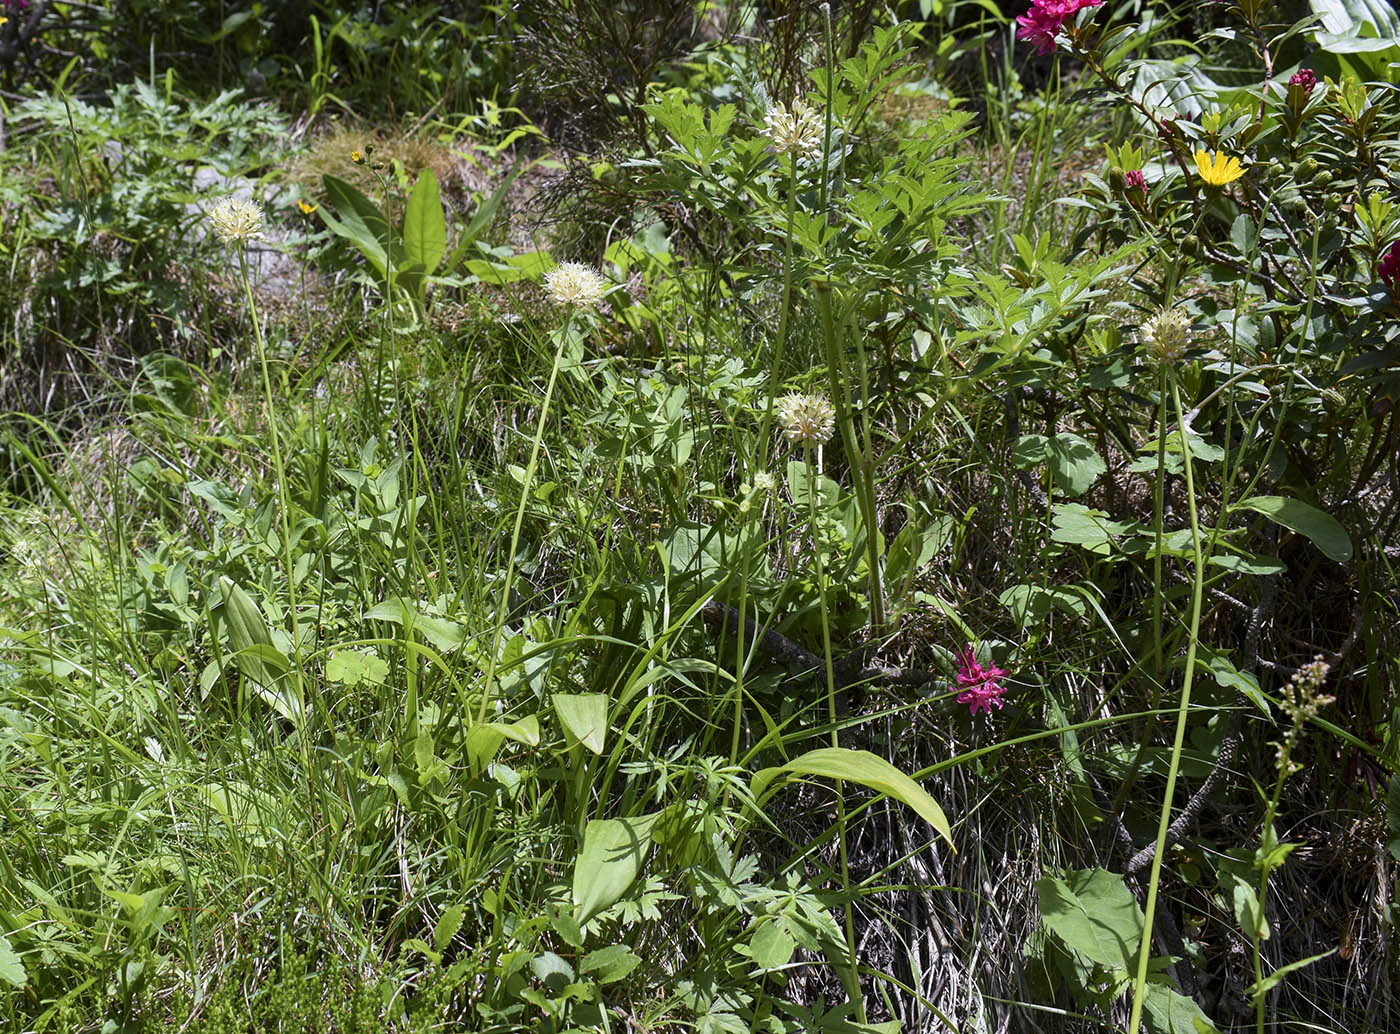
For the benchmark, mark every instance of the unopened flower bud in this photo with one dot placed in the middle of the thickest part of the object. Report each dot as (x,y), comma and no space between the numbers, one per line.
(1389,269)
(1300,88)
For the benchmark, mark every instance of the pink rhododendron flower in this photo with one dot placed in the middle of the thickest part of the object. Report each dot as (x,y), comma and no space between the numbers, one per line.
(1135,180)
(1304,79)
(980,690)
(1041,24)
(1389,269)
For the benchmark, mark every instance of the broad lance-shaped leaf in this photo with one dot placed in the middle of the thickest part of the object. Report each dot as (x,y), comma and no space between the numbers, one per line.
(11,965)
(861,766)
(612,854)
(1325,531)
(424,229)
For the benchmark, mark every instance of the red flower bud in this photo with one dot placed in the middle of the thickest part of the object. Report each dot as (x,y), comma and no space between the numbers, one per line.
(1389,269)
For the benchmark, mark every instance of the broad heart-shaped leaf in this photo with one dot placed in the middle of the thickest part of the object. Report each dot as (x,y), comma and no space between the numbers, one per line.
(1325,531)
(1094,914)
(771,946)
(861,766)
(424,229)
(11,966)
(612,854)
(1166,1012)
(445,635)
(484,740)
(1074,463)
(584,717)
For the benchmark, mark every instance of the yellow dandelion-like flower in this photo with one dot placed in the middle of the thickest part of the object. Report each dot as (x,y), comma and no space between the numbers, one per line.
(236,221)
(797,131)
(1219,168)
(358,157)
(1167,335)
(573,283)
(809,419)
(306,207)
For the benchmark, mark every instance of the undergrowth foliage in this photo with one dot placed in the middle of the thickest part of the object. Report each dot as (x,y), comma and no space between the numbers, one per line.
(815,586)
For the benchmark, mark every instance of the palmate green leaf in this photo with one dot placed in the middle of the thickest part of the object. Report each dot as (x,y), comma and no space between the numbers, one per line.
(612,854)
(11,965)
(861,766)
(1325,531)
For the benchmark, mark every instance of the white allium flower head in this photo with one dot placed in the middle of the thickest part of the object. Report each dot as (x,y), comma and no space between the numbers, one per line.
(764,483)
(809,419)
(797,130)
(235,221)
(1167,335)
(573,283)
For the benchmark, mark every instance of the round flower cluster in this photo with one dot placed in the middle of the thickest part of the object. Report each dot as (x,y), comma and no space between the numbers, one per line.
(764,483)
(1167,335)
(573,283)
(1041,24)
(236,221)
(797,132)
(980,690)
(809,419)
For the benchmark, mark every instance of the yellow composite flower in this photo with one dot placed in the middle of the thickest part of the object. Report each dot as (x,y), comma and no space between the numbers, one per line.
(1218,169)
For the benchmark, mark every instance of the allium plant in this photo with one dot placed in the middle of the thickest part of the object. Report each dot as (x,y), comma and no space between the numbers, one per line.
(575,284)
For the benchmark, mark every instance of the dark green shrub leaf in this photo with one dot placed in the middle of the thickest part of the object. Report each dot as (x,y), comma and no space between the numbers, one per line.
(1325,531)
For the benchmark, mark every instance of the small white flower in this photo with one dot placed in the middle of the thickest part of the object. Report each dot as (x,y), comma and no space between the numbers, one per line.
(1167,335)
(809,419)
(573,283)
(764,483)
(235,221)
(797,131)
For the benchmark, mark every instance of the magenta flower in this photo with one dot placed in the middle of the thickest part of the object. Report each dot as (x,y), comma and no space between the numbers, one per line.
(1135,180)
(1389,269)
(1042,23)
(979,686)
(1304,79)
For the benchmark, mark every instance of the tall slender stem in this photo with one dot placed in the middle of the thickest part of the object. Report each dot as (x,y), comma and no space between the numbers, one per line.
(527,485)
(1183,709)
(813,464)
